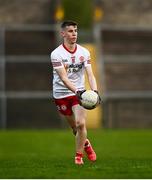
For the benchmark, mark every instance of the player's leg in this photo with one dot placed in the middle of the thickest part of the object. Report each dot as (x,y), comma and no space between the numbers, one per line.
(80,118)
(72,123)
(81,135)
(87,146)
(90,151)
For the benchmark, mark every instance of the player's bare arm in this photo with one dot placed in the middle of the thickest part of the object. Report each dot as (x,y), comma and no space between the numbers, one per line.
(91,78)
(63,76)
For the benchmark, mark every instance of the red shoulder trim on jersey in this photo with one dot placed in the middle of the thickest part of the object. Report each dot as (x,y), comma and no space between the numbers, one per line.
(56,64)
(72,52)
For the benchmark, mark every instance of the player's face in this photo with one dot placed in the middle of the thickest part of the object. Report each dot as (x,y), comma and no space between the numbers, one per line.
(70,34)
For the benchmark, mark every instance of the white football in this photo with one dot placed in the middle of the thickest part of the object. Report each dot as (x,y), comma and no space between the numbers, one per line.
(89,99)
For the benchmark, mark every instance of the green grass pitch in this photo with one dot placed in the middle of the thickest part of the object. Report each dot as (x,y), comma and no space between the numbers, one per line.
(49,154)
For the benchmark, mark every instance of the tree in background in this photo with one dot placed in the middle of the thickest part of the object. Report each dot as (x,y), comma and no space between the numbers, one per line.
(79,11)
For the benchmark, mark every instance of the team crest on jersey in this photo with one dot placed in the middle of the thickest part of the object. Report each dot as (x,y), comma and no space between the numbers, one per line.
(63,107)
(81,58)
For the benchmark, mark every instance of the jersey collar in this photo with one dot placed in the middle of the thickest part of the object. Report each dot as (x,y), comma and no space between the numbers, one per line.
(72,52)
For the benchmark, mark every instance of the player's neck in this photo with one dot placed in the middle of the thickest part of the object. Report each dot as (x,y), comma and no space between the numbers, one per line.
(69,47)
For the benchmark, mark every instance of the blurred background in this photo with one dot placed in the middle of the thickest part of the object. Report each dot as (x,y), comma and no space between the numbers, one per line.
(117,33)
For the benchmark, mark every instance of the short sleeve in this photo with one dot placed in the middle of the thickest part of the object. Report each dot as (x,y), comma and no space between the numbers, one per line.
(56,61)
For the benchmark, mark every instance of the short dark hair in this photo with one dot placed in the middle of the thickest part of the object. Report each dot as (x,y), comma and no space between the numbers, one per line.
(68,23)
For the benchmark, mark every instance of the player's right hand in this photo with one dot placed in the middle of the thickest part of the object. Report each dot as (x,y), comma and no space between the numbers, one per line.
(79,94)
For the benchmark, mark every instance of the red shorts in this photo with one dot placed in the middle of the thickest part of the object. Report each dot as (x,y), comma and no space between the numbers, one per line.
(64,105)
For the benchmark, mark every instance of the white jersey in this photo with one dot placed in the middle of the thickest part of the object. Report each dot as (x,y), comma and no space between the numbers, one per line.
(74,63)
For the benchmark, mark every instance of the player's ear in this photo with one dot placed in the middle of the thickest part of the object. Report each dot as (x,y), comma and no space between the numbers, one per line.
(62,33)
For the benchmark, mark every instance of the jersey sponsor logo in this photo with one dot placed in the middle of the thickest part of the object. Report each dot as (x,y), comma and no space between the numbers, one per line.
(73,68)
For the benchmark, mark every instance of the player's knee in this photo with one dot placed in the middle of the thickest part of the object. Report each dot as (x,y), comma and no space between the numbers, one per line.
(80,124)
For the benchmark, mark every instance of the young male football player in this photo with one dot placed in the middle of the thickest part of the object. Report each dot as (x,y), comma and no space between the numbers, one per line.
(70,61)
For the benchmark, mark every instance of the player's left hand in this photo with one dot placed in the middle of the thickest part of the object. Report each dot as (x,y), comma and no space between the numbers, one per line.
(98,96)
